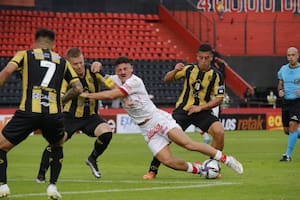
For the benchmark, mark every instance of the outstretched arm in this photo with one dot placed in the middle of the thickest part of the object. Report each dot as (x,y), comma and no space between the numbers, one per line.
(171,74)
(104,95)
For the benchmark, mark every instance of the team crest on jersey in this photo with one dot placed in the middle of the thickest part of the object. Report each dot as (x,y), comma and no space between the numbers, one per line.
(197,85)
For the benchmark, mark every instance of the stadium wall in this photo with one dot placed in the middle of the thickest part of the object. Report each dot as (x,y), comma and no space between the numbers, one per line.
(258,71)
(128,6)
(231,118)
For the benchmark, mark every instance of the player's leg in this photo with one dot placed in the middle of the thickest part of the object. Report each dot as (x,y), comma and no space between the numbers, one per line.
(216,129)
(53,131)
(206,137)
(44,165)
(45,162)
(103,132)
(5,146)
(292,139)
(177,136)
(166,158)
(153,169)
(291,128)
(15,131)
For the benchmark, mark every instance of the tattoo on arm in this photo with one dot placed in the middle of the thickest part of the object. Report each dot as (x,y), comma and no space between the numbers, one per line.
(72,92)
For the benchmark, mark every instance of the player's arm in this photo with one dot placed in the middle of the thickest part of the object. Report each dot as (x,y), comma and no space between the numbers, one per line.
(105,95)
(208,106)
(74,91)
(96,66)
(170,76)
(280,88)
(6,72)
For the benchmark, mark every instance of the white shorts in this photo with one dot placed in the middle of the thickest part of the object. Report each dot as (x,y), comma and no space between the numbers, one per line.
(155,131)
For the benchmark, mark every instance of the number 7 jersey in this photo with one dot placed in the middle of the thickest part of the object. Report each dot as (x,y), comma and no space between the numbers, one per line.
(42,72)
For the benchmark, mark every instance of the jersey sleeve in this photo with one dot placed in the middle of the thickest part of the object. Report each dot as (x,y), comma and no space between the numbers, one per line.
(70,74)
(64,87)
(18,59)
(219,87)
(181,73)
(130,86)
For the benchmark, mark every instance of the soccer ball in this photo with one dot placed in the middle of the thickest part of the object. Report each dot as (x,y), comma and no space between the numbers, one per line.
(211,169)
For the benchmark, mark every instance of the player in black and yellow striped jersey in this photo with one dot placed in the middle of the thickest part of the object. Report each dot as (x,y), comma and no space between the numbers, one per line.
(81,114)
(43,72)
(203,89)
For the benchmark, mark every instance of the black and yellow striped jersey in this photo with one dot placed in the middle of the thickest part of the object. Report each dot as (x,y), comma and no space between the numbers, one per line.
(43,72)
(199,87)
(79,106)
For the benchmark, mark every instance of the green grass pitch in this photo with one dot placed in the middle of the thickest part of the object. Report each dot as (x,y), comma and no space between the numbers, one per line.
(127,159)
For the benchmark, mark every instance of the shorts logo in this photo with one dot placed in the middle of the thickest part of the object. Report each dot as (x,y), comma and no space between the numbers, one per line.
(154,130)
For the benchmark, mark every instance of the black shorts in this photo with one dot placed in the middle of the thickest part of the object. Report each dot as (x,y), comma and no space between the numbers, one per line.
(24,123)
(290,111)
(85,124)
(202,120)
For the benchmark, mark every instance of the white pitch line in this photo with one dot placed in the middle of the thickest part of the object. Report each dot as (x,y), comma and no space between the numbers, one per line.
(96,181)
(130,189)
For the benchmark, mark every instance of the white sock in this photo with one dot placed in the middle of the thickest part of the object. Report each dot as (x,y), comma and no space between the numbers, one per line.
(192,168)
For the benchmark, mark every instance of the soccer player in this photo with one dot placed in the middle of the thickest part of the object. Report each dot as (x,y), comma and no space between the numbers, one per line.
(289,90)
(157,126)
(43,72)
(203,89)
(81,114)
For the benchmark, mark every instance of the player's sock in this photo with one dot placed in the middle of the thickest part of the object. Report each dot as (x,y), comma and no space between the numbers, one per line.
(292,139)
(194,169)
(44,165)
(221,157)
(55,163)
(155,163)
(101,144)
(3,167)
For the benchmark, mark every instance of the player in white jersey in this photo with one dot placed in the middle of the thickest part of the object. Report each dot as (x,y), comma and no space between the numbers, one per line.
(158,127)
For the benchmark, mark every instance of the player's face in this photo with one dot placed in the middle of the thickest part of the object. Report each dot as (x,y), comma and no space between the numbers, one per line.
(292,56)
(78,65)
(124,71)
(204,59)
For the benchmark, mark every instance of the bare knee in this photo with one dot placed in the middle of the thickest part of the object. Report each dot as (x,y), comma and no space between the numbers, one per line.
(5,145)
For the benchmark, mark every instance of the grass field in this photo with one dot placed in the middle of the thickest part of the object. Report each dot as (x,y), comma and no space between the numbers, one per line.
(127,159)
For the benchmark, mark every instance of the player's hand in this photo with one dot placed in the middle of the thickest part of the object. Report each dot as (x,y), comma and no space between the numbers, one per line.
(179,66)
(84,95)
(281,93)
(194,109)
(96,67)
(298,92)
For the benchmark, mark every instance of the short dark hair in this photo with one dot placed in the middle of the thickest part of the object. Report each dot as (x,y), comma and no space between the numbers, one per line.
(73,52)
(122,59)
(45,33)
(205,48)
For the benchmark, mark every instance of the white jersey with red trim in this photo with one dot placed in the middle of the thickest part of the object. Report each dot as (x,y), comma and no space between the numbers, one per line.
(137,102)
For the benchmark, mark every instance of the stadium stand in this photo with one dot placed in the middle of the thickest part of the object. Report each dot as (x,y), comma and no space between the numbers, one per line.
(100,35)
(106,35)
